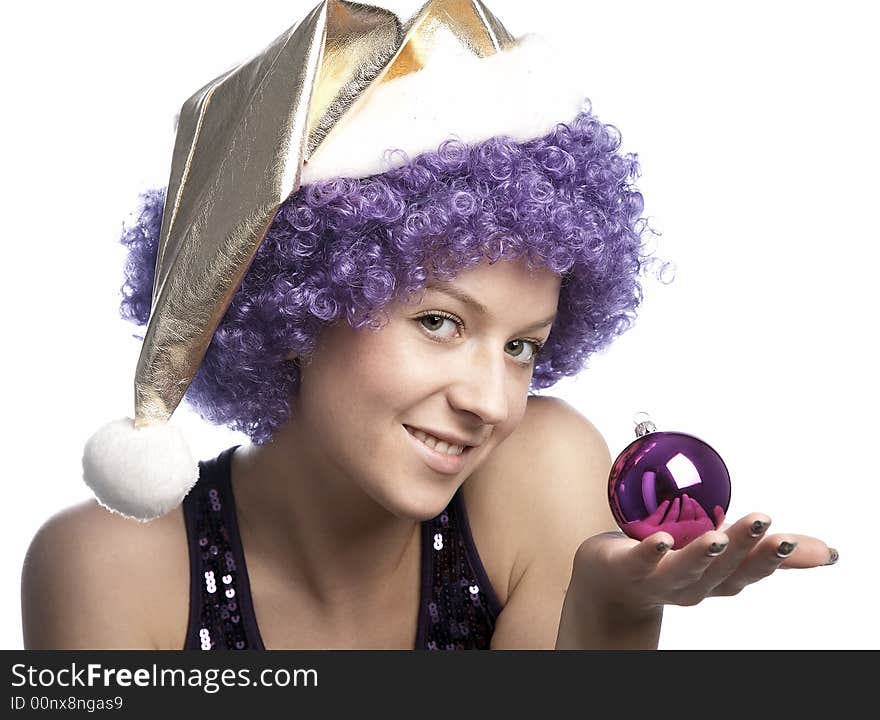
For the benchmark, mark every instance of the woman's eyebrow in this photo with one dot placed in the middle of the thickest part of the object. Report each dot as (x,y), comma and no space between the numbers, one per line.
(463,297)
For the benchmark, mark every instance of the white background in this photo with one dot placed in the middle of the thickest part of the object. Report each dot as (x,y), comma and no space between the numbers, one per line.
(755,125)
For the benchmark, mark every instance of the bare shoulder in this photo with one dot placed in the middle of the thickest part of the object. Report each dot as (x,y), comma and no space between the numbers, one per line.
(94,579)
(556,467)
(547,492)
(547,477)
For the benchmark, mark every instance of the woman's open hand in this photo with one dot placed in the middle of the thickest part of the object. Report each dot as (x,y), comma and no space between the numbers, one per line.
(640,576)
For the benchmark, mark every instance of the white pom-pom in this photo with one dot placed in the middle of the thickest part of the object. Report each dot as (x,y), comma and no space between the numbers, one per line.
(140,473)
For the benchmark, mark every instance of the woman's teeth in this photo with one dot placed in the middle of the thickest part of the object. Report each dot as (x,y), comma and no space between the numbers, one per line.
(435,444)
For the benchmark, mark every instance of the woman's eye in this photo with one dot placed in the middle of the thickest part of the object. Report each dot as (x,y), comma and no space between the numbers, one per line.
(518,345)
(524,351)
(433,322)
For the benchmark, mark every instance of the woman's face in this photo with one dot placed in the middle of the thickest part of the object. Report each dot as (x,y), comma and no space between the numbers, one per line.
(363,389)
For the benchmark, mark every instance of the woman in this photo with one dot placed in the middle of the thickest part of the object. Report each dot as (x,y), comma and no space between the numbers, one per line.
(381,308)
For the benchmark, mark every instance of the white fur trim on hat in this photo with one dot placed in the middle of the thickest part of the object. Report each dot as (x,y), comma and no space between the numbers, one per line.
(140,473)
(520,92)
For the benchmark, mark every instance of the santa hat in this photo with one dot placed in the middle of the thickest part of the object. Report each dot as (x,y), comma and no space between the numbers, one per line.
(328,98)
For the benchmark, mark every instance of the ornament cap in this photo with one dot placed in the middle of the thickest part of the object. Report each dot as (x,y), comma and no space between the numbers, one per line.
(644,424)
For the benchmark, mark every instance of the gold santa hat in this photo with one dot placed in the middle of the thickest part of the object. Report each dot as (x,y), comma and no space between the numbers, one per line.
(328,98)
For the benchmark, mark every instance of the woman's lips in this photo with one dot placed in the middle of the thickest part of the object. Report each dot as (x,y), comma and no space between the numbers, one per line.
(441,462)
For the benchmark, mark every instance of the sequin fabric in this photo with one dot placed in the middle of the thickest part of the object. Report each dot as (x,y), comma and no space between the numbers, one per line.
(458,608)
(461,606)
(217,620)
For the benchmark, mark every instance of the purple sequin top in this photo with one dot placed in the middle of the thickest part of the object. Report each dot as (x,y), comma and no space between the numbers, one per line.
(458,605)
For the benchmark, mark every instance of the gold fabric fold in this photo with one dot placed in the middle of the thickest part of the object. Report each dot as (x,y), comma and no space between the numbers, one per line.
(241,143)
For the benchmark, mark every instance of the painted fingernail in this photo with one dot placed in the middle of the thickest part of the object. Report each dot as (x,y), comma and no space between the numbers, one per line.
(833,556)
(785,549)
(758,528)
(716,549)
(662,547)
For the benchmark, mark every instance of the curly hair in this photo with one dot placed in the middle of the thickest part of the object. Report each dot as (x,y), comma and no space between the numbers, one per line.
(346,248)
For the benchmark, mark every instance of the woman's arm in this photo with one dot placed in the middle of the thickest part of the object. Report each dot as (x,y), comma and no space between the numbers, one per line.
(80,586)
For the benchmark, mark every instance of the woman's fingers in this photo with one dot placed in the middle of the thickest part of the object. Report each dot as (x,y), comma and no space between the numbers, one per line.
(811,552)
(762,562)
(686,566)
(718,562)
(745,535)
(642,558)
(788,550)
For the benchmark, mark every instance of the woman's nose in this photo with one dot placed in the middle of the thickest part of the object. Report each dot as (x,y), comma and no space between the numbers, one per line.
(481,386)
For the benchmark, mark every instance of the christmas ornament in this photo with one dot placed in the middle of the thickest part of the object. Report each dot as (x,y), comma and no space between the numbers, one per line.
(668,481)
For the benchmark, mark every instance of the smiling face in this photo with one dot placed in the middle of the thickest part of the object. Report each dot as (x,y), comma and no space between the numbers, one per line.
(444,366)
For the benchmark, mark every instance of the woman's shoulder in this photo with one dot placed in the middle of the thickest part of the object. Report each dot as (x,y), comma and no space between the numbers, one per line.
(545,462)
(88,573)
(543,495)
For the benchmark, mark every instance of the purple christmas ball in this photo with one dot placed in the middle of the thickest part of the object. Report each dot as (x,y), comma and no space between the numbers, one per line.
(669,481)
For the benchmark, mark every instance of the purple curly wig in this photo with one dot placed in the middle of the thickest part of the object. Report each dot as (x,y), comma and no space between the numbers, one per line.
(345,248)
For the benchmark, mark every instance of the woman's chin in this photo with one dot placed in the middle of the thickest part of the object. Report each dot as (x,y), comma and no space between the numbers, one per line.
(410,504)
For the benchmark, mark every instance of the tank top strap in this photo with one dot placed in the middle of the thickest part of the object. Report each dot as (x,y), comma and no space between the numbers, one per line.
(221,615)
(460,605)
